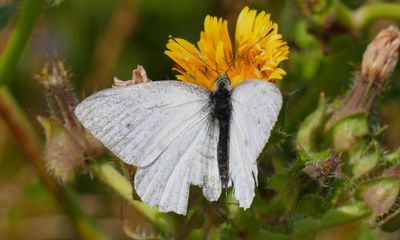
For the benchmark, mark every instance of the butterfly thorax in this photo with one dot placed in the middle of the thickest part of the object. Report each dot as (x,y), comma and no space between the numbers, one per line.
(221,112)
(221,99)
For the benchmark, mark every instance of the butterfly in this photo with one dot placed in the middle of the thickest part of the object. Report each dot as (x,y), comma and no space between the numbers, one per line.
(207,129)
(180,134)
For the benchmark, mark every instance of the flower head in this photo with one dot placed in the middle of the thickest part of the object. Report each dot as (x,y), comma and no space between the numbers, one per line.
(257,51)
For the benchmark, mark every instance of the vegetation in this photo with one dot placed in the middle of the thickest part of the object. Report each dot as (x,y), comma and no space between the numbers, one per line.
(330,169)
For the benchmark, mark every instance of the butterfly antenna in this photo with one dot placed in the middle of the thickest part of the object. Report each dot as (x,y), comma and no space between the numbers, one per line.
(198,57)
(258,41)
(248,49)
(232,64)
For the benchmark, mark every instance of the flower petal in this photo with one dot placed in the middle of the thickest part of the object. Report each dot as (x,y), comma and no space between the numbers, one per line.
(259,51)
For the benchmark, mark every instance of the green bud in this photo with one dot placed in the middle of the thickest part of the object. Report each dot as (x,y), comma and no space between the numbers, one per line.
(347,134)
(365,160)
(380,195)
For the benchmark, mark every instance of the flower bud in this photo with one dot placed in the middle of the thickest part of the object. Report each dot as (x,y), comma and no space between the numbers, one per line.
(380,57)
(379,61)
(324,170)
(68,143)
(380,195)
(63,154)
(60,95)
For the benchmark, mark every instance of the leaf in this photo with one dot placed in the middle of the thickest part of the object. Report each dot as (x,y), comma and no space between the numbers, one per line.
(307,136)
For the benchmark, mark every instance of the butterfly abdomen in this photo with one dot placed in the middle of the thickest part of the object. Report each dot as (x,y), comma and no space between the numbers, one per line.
(222,110)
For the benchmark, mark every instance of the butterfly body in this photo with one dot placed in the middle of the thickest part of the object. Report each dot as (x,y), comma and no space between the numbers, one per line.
(222,111)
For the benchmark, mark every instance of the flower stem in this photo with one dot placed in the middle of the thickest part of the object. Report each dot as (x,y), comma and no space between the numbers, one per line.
(27,18)
(115,180)
(362,17)
(366,14)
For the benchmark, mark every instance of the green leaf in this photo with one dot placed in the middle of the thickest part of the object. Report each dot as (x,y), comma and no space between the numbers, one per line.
(286,189)
(311,205)
(307,136)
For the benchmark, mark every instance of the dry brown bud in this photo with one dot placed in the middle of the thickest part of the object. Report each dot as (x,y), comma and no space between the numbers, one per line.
(93,146)
(63,154)
(380,58)
(379,61)
(68,144)
(60,95)
(324,170)
(138,76)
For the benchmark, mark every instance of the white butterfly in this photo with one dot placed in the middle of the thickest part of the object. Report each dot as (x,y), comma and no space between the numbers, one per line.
(176,134)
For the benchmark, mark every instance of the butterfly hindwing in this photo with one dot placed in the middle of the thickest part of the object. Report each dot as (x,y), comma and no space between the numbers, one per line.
(255,108)
(165,129)
(189,159)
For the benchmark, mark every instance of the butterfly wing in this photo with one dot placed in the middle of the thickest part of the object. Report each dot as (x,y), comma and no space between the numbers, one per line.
(165,129)
(166,182)
(255,108)
(138,122)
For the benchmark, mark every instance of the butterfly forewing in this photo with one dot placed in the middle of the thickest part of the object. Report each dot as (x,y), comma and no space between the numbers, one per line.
(165,129)
(255,108)
(138,122)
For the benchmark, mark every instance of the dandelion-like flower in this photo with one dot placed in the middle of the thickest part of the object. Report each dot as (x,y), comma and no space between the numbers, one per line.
(256,54)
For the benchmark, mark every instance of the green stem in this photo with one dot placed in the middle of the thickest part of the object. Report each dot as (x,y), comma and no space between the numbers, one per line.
(343,15)
(361,18)
(86,227)
(115,180)
(27,18)
(368,13)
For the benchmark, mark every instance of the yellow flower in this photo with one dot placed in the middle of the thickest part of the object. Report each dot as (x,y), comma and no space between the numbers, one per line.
(257,52)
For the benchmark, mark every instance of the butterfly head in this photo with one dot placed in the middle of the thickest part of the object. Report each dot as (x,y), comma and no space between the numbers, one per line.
(223,82)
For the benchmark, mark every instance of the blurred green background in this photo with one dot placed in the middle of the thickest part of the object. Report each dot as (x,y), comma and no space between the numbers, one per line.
(98,40)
